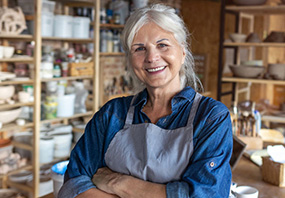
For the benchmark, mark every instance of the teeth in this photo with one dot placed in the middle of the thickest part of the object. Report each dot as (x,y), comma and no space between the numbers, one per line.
(155,69)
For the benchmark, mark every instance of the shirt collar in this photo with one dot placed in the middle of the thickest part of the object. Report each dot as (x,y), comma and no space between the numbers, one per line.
(187,93)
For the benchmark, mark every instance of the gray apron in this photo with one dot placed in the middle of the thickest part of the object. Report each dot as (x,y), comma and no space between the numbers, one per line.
(149,152)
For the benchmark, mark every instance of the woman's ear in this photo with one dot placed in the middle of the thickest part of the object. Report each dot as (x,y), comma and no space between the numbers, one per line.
(183,55)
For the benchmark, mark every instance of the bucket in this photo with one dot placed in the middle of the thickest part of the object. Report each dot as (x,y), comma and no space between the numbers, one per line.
(57,175)
(62,26)
(80,27)
(47,24)
(62,144)
(46,149)
(65,106)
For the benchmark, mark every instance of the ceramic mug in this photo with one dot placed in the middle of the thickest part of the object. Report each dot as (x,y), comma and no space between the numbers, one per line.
(24,96)
(246,192)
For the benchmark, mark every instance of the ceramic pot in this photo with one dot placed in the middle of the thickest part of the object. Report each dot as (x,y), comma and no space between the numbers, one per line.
(246,71)
(6,92)
(10,115)
(253,38)
(277,71)
(277,37)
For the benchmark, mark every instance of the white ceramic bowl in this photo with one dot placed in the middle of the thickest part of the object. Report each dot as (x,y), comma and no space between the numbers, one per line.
(9,115)
(237,37)
(246,192)
(246,71)
(21,177)
(6,92)
(8,51)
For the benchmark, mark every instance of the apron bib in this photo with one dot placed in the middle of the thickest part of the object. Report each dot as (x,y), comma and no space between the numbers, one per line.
(149,152)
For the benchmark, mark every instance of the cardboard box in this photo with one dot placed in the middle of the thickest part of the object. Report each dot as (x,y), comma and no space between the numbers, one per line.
(273,172)
(252,143)
(81,69)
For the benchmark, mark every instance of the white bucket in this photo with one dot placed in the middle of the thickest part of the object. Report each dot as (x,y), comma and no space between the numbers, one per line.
(57,175)
(62,26)
(46,149)
(47,24)
(62,144)
(80,27)
(65,107)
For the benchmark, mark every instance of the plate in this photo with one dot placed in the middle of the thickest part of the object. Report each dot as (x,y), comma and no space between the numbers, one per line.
(21,177)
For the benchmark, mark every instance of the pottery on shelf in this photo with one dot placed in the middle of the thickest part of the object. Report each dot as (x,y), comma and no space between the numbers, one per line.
(247,71)
(277,71)
(12,20)
(276,37)
(253,38)
(238,37)
(6,92)
(9,115)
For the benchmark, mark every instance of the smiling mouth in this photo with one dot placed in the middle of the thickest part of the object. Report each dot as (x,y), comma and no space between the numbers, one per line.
(156,69)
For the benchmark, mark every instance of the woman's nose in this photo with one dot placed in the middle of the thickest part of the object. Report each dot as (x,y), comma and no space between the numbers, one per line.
(152,55)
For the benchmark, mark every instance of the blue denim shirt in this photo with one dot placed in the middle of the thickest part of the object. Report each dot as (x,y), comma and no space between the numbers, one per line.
(208,173)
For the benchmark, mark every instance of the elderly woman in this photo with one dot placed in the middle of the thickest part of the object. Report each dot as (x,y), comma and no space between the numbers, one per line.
(167,140)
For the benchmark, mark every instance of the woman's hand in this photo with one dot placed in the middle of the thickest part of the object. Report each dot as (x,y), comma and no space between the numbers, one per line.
(126,186)
(106,180)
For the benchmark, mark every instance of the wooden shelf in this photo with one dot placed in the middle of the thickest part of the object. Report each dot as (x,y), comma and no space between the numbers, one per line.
(253,80)
(72,40)
(112,26)
(67,78)
(22,145)
(23,37)
(267,44)
(77,3)
(20,186)
(27,167)
(18,104)
(258,10)
(78,130)
(14,126)
(270,118)
(112,54)
(18,59)
(89,113)
(16,82)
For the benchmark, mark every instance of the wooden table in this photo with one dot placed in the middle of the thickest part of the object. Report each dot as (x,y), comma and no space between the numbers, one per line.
(247,173)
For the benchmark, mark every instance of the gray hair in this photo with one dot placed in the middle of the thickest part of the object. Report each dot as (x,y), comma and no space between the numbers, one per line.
(165,17)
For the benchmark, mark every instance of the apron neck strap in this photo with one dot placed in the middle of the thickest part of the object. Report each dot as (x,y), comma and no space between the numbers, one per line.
(130,115)
(194,108)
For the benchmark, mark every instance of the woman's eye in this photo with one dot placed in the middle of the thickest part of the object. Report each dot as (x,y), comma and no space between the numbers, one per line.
(161,45)
(140,49)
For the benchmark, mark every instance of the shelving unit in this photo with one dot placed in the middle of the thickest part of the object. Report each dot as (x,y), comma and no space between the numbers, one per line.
(37,84)
(249,12)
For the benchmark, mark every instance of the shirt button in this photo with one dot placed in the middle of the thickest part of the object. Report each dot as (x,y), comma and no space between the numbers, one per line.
(212,164)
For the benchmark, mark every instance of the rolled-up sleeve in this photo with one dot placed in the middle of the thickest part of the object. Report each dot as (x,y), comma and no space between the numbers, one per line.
(208,173)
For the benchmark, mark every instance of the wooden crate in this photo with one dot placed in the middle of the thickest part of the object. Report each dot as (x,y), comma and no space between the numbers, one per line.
(252,143)
(81,69)
(273,172)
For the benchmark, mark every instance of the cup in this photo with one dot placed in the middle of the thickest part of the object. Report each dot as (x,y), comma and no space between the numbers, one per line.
(8,51)
(24,96)
(246,192)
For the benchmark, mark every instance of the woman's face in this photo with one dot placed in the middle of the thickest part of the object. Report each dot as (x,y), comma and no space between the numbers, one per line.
(156,57)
